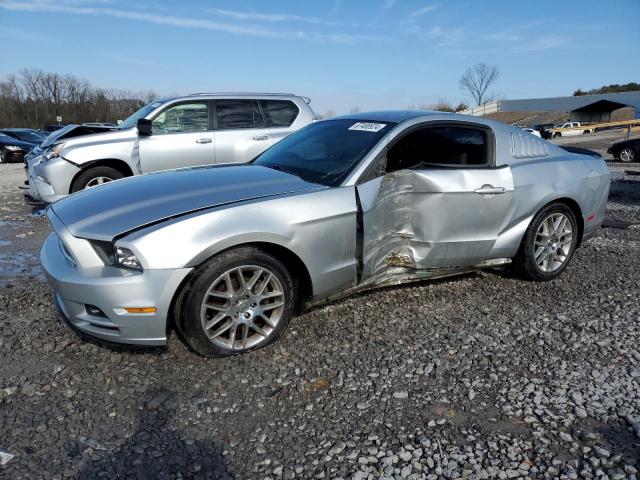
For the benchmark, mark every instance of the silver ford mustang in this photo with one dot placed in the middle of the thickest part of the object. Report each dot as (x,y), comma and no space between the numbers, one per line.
(229,253)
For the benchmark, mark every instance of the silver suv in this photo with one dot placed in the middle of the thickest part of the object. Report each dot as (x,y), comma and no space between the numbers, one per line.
(198,129)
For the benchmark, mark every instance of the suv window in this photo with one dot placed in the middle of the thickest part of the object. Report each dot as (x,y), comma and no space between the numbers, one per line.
(235,114)
(279,113)
(184,117)
(445,145)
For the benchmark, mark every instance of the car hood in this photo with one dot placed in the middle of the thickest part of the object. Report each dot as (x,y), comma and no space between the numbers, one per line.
(81,134)
(113,209)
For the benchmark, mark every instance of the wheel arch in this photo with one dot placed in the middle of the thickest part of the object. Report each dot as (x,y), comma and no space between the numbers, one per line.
(290,259)
(577,212)
(119,165)
(573,206)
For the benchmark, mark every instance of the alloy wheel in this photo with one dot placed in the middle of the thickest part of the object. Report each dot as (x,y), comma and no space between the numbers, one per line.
(2,156)
(627,155)
(94,182)
(553,242)
(242,307)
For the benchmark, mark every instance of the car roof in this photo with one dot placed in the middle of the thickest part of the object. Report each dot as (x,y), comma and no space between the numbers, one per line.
(628,140)
(223,95)
(17,129)
(396,116)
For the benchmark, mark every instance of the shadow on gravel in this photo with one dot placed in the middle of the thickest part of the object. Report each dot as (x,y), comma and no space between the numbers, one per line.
(620,439)
(154,451)
(626,192)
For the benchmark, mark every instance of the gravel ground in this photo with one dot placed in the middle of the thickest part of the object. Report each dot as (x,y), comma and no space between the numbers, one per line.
(480,376)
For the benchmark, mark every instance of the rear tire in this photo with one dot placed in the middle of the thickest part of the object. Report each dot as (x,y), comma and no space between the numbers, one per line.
(548,243)
(627,155)
(3,158)
(95,176)
(238,301)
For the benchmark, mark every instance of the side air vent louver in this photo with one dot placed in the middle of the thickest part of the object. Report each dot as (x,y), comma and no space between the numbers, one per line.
(527,146)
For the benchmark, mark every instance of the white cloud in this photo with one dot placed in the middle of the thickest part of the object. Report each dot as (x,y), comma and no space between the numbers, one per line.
(544,43)
(424,10)
(39,6)
(337,5)
(271,17)
(22,34)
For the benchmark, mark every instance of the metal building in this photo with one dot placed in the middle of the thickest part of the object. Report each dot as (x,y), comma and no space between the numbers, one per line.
(584,108)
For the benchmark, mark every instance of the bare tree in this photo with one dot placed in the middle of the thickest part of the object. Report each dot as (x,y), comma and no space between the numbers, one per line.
(441,106)
(34,98)
(476,80)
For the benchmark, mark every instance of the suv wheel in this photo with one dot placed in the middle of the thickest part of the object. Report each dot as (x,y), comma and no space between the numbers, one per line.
(548,243)
(92,177)
(627,155)
(238,301)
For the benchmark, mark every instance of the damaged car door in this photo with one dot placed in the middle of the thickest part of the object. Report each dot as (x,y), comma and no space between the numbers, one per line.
(440,203)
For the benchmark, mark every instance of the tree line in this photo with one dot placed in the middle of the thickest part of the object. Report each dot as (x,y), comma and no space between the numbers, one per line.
(34,99)
(613,88)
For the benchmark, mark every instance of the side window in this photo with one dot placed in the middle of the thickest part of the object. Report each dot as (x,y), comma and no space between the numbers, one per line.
(279,113)
(185,117)
(237,114)
(445,145)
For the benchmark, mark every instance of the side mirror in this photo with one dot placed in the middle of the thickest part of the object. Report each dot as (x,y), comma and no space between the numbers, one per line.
(144,127)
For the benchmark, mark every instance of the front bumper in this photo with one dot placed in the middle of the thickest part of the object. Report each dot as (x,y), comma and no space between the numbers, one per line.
(43,190)
(49,181)
(111,290)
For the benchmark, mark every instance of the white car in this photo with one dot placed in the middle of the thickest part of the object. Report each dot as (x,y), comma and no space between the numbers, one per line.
(531,131)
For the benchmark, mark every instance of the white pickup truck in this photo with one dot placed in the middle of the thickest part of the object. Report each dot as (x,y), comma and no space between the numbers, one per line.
(569,129)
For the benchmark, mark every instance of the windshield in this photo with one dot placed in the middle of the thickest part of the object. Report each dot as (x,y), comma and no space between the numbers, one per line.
(325,152)
(132,120)
(26,136)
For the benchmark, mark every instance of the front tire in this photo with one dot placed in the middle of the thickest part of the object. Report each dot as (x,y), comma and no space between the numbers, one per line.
(92,177)
(238,301)
(548,243)
(627,155)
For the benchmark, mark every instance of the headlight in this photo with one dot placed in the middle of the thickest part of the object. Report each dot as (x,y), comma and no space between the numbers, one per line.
(127,259)
(13,148)
(55,151)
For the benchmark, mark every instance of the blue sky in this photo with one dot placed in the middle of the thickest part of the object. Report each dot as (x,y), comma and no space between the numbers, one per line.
(372,54)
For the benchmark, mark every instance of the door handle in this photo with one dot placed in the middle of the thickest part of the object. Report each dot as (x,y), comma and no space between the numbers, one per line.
(261,137)
(490,190)
(203,140)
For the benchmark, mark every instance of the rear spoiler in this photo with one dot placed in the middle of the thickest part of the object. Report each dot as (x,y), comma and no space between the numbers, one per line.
(582,151)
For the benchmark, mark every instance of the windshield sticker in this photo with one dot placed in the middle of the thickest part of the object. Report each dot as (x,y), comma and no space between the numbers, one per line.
(367,127)
(156,104)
